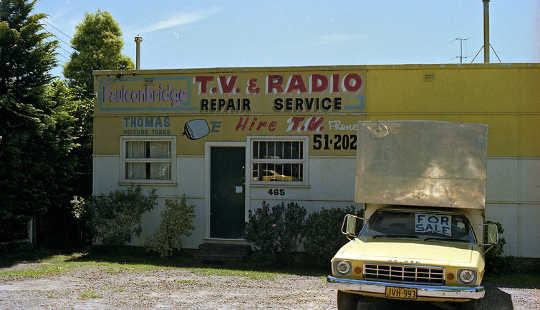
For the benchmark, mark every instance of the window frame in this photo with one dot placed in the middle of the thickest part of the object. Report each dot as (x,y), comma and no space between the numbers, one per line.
(304,161)
(124,160)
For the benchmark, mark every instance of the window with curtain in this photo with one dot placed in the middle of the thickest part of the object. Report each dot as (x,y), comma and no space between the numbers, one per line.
(278,161)
(147,160)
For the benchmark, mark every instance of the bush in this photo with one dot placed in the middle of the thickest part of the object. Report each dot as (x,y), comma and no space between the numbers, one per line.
(275,232)
(14,228)
(114,218)
(322,233)
(176,222)
(496,263)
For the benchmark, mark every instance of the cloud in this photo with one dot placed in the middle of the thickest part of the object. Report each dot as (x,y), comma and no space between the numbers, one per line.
(336,38)
(181,19)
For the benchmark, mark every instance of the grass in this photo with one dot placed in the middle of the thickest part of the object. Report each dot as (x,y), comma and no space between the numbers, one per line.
(37,271)
(250,274)
(129,259)
(186,281)
(89,295)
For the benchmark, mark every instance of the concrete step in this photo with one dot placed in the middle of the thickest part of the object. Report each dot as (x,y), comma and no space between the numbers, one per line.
(223,252)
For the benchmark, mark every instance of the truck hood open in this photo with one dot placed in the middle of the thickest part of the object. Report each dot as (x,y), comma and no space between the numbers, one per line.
(410,251)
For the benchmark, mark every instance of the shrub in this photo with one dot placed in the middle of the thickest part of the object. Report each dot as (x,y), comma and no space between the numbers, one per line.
(14,228)
(322,233)
(496,262)
(114,218)
(176,222)
(275,232)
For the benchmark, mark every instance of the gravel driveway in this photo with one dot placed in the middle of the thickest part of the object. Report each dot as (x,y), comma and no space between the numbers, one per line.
(91,287)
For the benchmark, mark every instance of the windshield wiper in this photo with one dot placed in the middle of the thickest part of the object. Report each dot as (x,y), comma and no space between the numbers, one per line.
(395,236)
(446,239)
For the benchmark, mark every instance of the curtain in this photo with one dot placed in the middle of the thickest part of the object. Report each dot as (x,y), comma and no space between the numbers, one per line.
(135,149)
(135,171)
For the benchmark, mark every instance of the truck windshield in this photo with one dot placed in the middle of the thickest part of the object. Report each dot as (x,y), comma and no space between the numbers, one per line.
(419,225)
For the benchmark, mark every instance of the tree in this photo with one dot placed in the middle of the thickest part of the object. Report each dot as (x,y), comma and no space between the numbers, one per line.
(31,149)
(97,44)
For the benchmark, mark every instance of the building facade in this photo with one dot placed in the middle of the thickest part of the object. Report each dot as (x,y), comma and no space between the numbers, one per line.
(231,138)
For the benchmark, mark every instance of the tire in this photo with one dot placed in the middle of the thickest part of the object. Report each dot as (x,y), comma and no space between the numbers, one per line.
(346,301)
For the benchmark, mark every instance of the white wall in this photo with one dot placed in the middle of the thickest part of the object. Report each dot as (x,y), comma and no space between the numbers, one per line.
(513,198)
(189,174)
(513,194)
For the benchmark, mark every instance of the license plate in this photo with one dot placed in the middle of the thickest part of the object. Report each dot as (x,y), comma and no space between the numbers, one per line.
(400,292)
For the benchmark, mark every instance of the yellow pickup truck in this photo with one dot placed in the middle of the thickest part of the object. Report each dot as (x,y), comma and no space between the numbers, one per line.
(422,184)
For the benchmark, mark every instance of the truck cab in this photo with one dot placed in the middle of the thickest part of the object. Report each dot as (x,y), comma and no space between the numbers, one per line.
(422,184)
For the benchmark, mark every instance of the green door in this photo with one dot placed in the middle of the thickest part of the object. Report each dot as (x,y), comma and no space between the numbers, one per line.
(227,212)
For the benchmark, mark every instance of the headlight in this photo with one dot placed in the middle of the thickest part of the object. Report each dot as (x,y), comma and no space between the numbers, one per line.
(466,276)
(343,267)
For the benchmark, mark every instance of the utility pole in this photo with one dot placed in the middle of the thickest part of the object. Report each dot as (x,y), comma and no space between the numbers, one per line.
(486,45)
(486,31)
(461,49)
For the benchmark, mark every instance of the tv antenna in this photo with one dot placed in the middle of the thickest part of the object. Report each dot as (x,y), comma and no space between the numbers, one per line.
(461,57)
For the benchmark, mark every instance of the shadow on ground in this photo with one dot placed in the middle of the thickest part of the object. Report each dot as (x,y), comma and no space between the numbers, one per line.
(187,259)
(494,299)
(28,255)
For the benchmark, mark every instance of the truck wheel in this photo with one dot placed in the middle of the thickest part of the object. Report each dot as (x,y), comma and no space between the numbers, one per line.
(346,301)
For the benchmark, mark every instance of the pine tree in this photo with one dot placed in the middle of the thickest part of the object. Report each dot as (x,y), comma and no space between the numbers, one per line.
(36,131)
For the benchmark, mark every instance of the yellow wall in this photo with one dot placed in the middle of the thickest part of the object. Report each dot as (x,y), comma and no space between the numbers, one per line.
(506,97)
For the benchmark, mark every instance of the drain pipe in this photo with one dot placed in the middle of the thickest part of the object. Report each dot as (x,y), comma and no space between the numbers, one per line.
(486,31)
(138,40)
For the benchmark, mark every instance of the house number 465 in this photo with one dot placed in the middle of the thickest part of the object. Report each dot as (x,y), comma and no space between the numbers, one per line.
(276,191)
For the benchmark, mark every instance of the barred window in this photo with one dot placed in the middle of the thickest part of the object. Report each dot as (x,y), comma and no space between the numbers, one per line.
(147,160)
(278,161)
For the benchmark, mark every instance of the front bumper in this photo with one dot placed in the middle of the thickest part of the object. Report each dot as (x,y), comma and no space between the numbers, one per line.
(433,291)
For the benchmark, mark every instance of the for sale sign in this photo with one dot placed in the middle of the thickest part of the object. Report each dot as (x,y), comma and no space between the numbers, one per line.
(433,223)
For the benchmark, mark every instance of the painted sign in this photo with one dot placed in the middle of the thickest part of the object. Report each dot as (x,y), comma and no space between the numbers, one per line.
(246,92)
(433,223)
(144,94)
(146,125)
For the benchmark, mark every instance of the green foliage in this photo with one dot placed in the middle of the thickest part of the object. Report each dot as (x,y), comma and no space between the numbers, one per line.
(46,129)
(98,44)
(496,262)
(276,232)
(176,222)
(26,56)
(38,128)
(14,229)
(322,233)
(114,218)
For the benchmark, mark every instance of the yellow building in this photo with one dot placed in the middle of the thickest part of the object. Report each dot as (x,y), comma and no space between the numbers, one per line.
(230,138)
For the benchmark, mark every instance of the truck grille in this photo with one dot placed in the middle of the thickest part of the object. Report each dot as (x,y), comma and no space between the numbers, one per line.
(404,273)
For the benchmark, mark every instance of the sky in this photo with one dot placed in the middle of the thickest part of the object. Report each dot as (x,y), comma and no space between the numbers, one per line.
(204,34)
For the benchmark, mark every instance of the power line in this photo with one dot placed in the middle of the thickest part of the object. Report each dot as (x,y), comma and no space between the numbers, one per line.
(58,29)
(64,49)
(60,39)
(58,54)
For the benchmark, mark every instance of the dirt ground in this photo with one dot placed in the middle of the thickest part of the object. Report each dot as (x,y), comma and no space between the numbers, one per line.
(89,287)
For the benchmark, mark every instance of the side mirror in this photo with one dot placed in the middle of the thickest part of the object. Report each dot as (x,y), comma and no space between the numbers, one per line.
(492,235)
(350,222)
